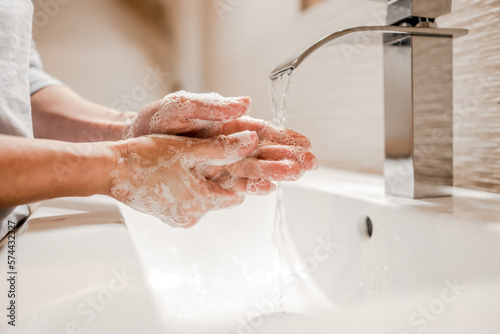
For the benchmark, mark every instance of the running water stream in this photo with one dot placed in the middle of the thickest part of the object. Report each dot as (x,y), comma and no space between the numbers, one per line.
(279,91)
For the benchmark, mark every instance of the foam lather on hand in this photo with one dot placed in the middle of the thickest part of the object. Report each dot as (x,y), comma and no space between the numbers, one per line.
(195,111)
(164,175)
(183,112)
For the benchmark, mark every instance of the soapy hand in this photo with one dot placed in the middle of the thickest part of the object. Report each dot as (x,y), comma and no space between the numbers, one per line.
(204,116)
(277,148)
(184,113)
(211,115)
(171,177)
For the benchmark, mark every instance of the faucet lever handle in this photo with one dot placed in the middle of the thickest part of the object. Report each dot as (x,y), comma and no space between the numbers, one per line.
(400,10)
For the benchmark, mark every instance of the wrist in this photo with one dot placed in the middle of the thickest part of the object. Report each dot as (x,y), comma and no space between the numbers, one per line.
(101,161)
(117,167)
(120,124)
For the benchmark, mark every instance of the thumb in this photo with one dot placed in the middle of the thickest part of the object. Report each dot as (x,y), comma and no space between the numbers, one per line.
(223,150)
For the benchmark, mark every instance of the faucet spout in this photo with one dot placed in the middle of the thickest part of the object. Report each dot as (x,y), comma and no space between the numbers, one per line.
(418,81)
(414,31)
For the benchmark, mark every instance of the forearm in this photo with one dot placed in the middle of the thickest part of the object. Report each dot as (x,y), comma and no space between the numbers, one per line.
(61,114)
(34,169)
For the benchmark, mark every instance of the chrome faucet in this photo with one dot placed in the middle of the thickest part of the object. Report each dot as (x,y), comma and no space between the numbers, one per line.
(418,80)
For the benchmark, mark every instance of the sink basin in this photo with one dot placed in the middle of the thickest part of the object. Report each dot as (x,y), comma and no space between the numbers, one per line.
(355,261)
(77,272)
(396,265)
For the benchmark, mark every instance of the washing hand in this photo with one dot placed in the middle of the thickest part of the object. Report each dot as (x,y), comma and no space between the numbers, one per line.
(182,156)
(211,115)
(172,178)
(184,113)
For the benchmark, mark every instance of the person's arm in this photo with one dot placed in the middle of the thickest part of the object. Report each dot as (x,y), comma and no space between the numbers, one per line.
(34,170)
(61,114)
(166,176)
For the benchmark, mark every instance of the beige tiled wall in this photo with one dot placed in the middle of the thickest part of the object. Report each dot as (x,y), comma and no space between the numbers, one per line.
(336,96)
(477,93)
(103,49)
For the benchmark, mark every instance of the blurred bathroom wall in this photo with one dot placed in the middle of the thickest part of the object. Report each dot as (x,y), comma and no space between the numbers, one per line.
(477,93)
(106,49)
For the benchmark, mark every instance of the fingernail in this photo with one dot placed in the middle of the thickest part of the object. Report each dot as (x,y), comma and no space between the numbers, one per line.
(273,188)
(245,102)
(244,99)
(314,164)
(259,190)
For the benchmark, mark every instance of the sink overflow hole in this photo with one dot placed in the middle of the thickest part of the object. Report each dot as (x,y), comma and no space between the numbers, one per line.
(366,227)
(369,227)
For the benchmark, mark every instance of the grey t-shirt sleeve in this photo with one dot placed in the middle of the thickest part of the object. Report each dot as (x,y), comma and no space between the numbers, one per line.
(38,78)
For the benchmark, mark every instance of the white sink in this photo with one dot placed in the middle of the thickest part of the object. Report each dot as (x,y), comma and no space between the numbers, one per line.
(77,272)
(430,266)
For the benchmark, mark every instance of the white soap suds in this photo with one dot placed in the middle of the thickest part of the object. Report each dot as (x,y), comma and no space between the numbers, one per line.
(228,181)
(131,128)
(198,115)
(257,187)
(194,110)
(172,186)
(277,134)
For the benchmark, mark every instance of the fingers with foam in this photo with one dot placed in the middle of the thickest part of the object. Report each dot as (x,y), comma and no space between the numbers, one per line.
(183,111)
(253,186)
(267,132)
(284,170)
(162,176)
(225,149)
(281,152)
(213,107)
